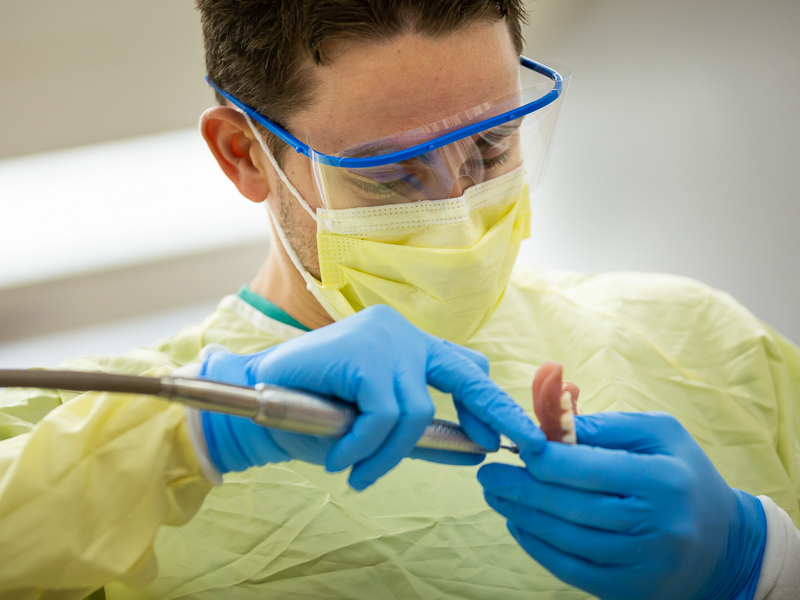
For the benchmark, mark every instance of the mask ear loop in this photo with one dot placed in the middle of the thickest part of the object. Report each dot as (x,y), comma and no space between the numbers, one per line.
(281,174)
(311,284)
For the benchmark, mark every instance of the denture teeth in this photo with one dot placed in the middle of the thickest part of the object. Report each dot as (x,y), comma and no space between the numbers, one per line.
(567,422)
(566,401)
(569,438)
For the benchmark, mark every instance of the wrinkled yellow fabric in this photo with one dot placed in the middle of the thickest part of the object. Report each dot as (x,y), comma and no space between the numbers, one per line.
(84,491)
(632,342)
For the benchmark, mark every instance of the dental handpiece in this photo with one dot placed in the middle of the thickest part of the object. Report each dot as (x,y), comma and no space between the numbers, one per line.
(268,405)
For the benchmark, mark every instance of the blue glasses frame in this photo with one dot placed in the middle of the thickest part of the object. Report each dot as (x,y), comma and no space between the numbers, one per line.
(411,152)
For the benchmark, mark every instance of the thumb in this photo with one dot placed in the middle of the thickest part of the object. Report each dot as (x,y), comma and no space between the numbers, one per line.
(643,433)
(227,367)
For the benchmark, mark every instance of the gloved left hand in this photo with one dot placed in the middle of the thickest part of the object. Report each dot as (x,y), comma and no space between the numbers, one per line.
(380,362)
(636,510)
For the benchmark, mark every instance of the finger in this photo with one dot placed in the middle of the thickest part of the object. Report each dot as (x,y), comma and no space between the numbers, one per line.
(594,469)
(226,367)
(609,512)
(416,413)
(595,545)
(445,457)
(379,410)
(449,372)
(364,383)
(380,413)
(575,571)
(236,443)
(308,448)
(479,358)
(477,430)
(643,433)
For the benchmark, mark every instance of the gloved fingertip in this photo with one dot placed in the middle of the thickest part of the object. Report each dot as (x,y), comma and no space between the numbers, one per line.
(470,460)
(341,456)
(209,359)
(488,475)
(491,499)
(358,484)
(584,425)
(332,465)
(226,367)
(537,445)
(274,453)
(481,435)
(210,349)
(447,457)
(530,458)
(533,443)
(515,532)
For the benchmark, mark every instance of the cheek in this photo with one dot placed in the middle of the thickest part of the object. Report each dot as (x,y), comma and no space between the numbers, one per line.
(300,171)
(299,227)
(304,240)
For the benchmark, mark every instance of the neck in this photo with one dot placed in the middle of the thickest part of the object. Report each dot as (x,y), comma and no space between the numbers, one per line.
(280,283)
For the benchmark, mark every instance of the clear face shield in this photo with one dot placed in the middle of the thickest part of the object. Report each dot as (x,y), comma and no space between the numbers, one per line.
(488,141)
(442,159)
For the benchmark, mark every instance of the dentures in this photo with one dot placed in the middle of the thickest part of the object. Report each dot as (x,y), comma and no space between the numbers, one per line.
(555,403)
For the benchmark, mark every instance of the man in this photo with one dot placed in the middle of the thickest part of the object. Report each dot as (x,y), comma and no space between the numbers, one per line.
(635,510)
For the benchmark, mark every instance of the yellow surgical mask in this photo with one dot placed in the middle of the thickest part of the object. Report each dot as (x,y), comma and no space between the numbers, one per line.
(443,264)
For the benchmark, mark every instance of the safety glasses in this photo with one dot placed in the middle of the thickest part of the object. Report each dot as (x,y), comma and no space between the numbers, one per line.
(439,160)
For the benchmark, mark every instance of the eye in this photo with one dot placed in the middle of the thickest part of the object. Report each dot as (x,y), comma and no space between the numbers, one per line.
(486,164)
(376,190)
(496,161)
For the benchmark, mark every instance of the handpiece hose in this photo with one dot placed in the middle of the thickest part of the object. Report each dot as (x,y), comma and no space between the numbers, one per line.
(270,406)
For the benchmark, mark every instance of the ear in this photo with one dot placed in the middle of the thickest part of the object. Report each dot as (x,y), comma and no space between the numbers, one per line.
(233,144)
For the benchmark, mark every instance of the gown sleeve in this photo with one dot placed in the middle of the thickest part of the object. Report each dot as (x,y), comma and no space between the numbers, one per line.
(780,570)
(85,485)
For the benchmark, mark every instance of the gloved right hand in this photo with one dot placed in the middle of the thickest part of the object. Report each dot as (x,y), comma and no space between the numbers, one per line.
(380,362)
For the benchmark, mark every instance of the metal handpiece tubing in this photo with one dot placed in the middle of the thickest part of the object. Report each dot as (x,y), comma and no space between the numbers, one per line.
(209,395)
(444,435)
(302,412)
(307,413)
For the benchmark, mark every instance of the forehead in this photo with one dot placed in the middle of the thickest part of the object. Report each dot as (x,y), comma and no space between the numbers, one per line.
(373,89)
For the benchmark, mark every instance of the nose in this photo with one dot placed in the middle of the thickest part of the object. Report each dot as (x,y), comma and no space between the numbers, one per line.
(460,185)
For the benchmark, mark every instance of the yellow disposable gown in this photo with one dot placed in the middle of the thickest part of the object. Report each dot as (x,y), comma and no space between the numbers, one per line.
(85,486)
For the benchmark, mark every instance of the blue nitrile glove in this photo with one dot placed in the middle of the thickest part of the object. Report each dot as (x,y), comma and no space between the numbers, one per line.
(381,363)
(635,511)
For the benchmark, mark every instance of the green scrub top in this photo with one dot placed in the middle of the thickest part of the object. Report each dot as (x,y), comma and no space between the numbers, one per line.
(268,308)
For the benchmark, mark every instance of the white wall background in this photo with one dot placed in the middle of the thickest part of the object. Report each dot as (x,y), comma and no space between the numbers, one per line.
(84,71)
(678,148)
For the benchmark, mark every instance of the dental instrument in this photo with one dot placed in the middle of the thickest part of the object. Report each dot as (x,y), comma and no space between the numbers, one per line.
(268,405)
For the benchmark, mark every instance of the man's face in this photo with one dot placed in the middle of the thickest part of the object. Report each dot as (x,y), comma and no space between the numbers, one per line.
(374,89)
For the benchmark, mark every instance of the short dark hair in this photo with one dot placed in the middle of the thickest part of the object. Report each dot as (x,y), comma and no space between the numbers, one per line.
(258,50)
